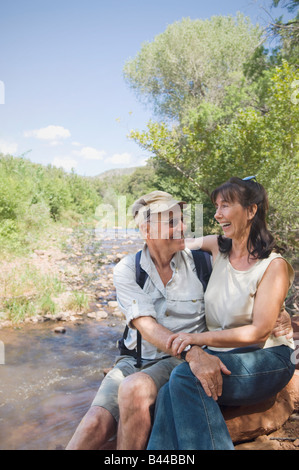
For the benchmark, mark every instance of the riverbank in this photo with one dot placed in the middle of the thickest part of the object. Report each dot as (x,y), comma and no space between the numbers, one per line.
(67,280)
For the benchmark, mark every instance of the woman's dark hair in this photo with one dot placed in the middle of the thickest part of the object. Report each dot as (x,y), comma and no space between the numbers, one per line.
(260,242)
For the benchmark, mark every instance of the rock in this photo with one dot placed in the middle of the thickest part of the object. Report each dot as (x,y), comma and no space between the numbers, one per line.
(91,315)
(101,315)
(110,258)
(120,256)
(113,304)
(58,317)
(47,318)
(65,316)
(261,443)
(248,422)
(295,390)
(60,329)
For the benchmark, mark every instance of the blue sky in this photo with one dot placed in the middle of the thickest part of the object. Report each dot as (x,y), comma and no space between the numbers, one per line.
(61,63)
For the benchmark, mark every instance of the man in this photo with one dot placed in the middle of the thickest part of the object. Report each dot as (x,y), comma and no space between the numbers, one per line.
(171,300)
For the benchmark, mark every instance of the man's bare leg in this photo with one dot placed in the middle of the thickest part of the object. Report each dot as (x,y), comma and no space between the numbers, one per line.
(137,393)
(95,429)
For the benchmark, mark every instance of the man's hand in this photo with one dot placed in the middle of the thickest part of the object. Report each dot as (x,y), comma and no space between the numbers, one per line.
(283,325)
(207,369)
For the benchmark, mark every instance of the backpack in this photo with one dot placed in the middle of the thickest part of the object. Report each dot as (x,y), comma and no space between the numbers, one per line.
(203,267)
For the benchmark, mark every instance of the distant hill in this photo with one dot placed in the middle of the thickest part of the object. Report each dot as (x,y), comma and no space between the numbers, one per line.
(116,173)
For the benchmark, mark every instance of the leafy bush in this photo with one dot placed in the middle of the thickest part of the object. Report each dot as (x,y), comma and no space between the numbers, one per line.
(32,197)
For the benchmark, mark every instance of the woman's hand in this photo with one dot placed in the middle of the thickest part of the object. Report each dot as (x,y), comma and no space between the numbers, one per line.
(283,325)
(179,341)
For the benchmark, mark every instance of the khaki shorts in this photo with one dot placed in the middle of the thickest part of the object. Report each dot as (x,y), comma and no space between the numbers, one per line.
(159,370)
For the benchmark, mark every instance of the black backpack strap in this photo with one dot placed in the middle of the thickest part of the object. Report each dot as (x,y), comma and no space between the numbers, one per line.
(202,261)
(141,277)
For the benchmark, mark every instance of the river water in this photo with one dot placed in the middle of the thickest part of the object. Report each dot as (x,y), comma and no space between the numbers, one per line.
(49,379)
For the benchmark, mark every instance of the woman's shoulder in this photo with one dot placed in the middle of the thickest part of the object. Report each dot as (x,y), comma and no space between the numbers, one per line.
(277,264)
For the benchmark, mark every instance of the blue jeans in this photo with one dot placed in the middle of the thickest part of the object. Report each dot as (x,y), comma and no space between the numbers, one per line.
(187,419)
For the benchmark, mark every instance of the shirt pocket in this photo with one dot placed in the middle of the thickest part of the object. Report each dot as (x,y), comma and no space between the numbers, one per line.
(189,307)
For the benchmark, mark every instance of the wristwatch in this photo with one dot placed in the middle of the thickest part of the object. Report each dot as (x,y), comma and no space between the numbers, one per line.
(183,353)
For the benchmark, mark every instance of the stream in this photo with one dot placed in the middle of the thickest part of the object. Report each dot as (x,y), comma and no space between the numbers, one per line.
(49,380)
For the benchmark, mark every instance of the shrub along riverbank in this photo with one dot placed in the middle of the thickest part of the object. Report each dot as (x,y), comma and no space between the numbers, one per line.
(35,199)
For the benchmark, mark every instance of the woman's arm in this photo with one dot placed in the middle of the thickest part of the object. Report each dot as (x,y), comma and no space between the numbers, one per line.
(208,243)
(270,296)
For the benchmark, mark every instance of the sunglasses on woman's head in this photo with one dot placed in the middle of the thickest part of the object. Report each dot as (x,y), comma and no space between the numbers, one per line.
(250,178)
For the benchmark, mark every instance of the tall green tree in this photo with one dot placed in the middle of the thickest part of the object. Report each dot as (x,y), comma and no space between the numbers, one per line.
(191,62)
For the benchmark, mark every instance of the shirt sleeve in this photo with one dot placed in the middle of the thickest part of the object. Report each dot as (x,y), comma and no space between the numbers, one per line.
(132,300)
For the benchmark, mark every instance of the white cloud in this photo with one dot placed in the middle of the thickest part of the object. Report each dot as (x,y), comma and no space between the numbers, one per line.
(8,147)
(49,133)
(90,153)
(76,144)
(67,163)
(120,159)
(54,143)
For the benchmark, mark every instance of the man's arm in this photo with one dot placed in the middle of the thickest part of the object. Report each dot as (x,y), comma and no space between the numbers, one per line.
(154,333)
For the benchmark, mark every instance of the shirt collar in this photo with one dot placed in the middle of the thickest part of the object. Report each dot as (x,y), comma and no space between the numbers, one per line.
(147,264)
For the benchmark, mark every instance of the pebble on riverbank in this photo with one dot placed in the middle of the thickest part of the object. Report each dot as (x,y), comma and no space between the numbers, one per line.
(59,329)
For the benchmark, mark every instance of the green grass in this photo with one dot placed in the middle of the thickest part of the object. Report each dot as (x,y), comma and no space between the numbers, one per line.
(26,291)
(78,302)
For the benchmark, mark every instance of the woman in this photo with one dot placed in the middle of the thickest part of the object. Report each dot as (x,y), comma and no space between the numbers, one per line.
(245,294)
